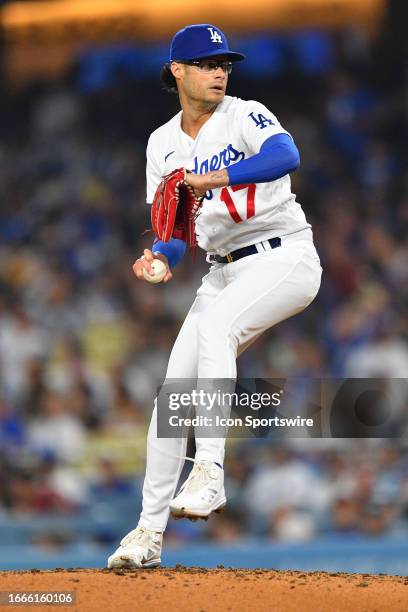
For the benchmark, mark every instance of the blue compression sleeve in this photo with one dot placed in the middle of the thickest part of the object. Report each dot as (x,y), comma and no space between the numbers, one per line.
(278,156)
(174,250)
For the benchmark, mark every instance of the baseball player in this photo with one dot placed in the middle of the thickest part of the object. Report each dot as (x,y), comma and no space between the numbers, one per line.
(264,267)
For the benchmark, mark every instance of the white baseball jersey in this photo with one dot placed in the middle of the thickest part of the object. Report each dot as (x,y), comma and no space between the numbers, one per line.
(234,216)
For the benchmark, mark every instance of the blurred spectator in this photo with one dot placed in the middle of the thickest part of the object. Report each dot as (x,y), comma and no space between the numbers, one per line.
(376,520)
(109,480)
(20,341)
(283,481)
(386,356)
(225,529)
(288,524)
(346,513)
(12,430)
(57,429)
(351,114)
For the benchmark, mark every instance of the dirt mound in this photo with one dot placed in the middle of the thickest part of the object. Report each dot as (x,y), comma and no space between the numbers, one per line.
(206,590)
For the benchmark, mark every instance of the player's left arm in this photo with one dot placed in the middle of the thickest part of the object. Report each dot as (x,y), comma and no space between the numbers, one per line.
(275,153)
(170,252)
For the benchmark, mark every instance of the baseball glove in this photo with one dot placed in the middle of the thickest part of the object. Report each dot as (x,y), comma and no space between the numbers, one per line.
(175,208)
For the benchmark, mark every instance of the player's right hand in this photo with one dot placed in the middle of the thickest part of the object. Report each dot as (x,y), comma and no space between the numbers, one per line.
(145,261)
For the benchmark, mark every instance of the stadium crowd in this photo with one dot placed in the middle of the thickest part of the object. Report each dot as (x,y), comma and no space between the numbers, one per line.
(83,345)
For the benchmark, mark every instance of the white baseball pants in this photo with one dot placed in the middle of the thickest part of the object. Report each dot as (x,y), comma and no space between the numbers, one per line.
(234,305)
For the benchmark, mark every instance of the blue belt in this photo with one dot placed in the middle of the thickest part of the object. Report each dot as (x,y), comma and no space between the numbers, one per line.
(248,250)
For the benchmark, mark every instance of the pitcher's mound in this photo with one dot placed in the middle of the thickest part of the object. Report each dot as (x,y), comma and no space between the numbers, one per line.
(197,589)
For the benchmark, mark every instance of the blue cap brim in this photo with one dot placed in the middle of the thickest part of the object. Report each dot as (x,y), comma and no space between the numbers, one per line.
(231,55)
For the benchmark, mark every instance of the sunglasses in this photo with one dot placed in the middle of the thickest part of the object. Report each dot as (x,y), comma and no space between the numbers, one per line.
(210,65)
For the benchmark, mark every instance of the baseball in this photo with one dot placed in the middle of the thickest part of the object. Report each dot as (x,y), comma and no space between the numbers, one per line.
(160,270)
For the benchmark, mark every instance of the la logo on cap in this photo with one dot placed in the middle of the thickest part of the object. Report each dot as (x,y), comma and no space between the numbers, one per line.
(215,37)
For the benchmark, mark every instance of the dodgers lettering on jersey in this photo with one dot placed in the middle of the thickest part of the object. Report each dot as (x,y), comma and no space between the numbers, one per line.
(236,216)
(218,161)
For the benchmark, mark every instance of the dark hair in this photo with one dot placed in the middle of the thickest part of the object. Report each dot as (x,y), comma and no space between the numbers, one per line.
(168,80)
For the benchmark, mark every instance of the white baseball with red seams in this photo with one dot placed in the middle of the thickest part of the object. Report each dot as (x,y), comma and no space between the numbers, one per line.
(159,272)
(237,301)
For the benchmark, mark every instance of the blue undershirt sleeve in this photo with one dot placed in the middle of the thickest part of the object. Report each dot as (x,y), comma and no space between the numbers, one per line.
(278,156)
(174,250)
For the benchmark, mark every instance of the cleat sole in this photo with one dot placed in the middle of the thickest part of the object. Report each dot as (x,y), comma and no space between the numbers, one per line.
(123,563)
(181,513)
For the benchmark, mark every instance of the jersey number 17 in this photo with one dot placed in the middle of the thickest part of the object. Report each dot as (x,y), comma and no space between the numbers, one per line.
(229,202)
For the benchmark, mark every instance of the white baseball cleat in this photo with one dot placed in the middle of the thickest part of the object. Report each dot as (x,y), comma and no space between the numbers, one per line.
(138,549)
(202,493)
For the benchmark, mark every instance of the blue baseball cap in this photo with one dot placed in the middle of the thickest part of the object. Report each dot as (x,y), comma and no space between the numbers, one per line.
(201,40)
